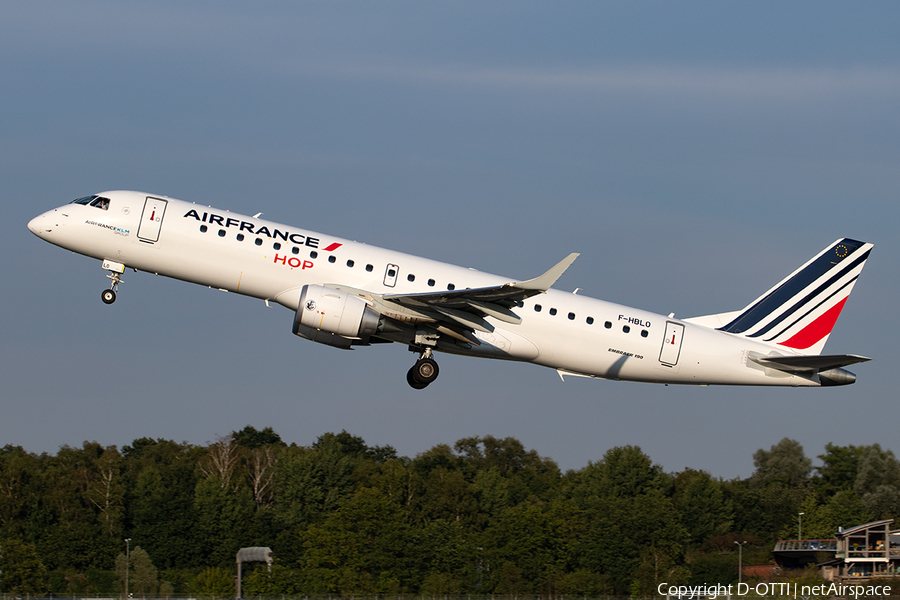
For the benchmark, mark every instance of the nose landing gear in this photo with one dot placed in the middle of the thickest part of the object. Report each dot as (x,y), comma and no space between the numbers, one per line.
(115,271)
(423,372)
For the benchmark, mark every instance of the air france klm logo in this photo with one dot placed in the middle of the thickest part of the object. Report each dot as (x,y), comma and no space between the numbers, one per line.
(113,228)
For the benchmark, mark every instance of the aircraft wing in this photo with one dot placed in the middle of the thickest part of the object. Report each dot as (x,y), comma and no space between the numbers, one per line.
(810,363)
(492,301)
(458,313)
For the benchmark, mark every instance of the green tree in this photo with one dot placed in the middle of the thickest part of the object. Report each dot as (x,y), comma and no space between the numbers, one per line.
(838,470)
(846,509)
(223,520)
(21,571)
(281,581)
(250,438)
(784,462)
(106,493)
(522,541)
(144,580)
(437,584)
(764,510)
(701,502)
(446,555)
(163,478)
(137,571)
(18,472)
(364,547)
(627,512)
(878,481)
(214,582)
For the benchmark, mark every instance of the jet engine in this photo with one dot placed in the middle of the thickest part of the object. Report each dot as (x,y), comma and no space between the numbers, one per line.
(332,317)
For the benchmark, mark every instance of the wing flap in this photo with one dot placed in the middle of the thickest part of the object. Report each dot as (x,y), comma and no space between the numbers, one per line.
(466,319)
(501,313)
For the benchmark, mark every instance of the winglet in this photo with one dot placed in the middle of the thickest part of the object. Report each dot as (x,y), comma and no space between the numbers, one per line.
(546,281)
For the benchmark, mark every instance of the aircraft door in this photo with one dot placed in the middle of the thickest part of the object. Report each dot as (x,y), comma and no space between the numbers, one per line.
(151,220)
(671,347)
(390,275)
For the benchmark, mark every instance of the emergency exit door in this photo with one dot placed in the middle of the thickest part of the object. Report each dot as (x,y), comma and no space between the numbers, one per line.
(671,347)
(151,220)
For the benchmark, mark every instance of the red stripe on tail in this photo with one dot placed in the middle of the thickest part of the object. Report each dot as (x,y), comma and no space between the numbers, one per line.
(815,331)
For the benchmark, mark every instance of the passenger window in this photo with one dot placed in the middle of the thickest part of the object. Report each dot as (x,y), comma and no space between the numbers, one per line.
(626,328)
(451,287)
(590,320)
(553,311)
(203,229)
(313,254)
(221,233)
(295,250)
(431,283)
(240,237)
(277,245)
(332,258)
(350,263)
(571,316)
(410,277)
(537,308)
(644,333)
(392,272)
(370,268)
(608,325)
(258,242)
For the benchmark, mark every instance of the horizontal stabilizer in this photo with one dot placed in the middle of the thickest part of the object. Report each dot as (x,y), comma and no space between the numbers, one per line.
(809,364)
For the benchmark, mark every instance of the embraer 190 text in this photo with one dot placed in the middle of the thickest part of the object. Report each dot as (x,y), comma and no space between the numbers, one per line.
(344,294)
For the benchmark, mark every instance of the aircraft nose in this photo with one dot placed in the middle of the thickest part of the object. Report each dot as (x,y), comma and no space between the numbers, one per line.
(42,224)
(34,225)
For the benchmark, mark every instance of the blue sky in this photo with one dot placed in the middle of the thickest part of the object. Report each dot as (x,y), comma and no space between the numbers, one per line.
(693,153)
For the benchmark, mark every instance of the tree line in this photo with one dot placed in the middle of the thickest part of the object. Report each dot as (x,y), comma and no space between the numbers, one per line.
(485,516)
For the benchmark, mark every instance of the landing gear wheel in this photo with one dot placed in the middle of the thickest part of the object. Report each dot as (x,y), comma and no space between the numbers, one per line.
(425,370)
(412,382)
(108,296)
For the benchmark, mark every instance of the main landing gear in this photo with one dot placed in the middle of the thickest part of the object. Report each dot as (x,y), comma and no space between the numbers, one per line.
(423,372)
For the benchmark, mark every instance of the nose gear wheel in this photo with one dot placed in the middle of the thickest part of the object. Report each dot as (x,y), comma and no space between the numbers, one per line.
(109,296)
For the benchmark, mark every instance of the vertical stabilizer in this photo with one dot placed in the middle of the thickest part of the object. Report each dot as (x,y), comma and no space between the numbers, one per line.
(800,312)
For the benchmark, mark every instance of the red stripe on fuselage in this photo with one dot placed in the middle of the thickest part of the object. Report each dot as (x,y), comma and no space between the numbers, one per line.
(332,247)
(815,331)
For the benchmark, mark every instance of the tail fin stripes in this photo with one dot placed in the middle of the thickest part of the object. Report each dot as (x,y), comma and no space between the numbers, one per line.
(802,309)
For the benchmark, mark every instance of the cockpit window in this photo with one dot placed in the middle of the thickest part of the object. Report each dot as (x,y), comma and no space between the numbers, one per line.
(101,203)
(95,201)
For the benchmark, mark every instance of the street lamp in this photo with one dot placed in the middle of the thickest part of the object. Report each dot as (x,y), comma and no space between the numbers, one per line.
(800,527)
(740,546)
(127,563)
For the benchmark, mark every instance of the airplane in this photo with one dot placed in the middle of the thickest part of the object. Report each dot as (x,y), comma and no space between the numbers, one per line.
(344,294)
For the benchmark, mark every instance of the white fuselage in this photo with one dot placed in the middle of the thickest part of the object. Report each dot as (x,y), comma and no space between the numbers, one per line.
(574,334)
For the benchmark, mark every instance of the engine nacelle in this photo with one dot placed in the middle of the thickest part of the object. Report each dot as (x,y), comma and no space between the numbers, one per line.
(332,317)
